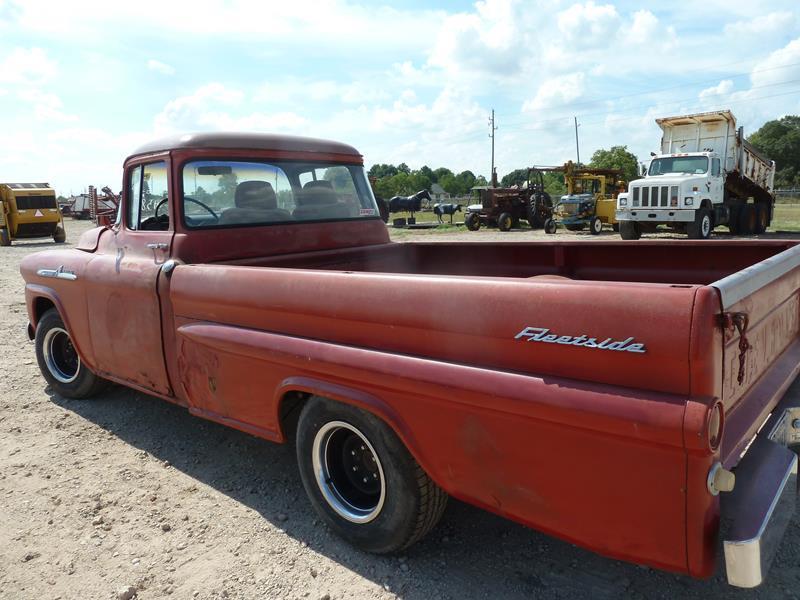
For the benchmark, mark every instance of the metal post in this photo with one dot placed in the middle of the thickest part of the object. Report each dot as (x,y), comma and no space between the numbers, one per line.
(577,146)
(492,129)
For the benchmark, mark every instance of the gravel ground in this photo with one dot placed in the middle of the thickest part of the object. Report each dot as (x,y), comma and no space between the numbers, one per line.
(127,496)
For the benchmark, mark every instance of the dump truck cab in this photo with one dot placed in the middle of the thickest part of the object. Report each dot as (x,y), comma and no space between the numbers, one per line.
(29,210)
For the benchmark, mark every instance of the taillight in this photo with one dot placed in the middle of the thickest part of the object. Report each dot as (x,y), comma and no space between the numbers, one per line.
(715,424)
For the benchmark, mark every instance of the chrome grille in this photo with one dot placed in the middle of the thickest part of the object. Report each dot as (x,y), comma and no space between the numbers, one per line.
(656,196)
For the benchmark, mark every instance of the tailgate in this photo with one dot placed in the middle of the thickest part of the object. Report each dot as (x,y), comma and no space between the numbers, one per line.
(761,353)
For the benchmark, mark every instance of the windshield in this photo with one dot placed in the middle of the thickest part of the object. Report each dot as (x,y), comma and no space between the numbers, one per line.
(224,193)
(690,165)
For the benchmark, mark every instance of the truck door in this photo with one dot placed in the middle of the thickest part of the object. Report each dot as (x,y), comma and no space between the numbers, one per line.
(124,307)
(716,189)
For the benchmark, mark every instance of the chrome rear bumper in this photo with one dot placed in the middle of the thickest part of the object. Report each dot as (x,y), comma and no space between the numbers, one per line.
(762,503)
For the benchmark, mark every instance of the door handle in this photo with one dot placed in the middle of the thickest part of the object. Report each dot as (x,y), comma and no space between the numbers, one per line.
(157,246)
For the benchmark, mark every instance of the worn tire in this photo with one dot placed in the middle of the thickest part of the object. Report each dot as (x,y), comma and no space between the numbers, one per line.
(595,226)
(630,230)
(411,503)
(59,362)
(5,237)
(762,218)
(701,227)
(505,221)
(60,236)
(550,226)
(472,221)
(747,219)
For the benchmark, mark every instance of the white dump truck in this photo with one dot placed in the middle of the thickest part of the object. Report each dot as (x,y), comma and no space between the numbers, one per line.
(706,175)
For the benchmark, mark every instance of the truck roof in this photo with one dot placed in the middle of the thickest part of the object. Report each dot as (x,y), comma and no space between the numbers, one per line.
(706,117)
(239,140)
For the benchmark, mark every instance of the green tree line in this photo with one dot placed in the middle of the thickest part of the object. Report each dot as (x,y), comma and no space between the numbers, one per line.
(780,141)
(401,180)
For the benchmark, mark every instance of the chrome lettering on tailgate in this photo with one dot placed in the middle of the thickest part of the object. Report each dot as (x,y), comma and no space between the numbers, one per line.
(542,334)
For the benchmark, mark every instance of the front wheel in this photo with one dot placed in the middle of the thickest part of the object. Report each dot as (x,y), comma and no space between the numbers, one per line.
(472,221)
(596,226)
(59,361)
(550,226)
(630,230)
(5,237)
(361,479)
(504,221)
(700,228)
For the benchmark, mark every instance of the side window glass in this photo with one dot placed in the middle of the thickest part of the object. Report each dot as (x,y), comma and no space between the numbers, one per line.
(715,167)
(148,198)
(134,196)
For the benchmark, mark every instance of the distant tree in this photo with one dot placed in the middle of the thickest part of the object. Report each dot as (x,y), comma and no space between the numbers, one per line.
(418,181)
(516,177)
(466,180)
(426,171)
(441,172)
(617,157)
(780,141)
(382,170)
(404,168)
(554,184)
(480,180)
(448,182)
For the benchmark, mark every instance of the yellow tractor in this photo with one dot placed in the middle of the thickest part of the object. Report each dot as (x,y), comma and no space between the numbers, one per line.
(590,199)
(29,210)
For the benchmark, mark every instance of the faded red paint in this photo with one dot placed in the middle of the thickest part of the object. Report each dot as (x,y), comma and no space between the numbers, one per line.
(608,450)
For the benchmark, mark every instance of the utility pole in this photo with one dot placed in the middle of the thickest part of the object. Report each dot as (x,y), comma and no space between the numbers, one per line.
(577,146)
(492,129)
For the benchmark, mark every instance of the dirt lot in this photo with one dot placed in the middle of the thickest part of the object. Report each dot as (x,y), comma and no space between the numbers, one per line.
(127,494)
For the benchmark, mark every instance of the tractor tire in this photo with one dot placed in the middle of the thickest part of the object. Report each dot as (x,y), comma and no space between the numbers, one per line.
(362,480)
(630,230)
(472,221)
(550,226)
(60,236)
(595,226)
(700,228)
(504,221)
(5,237)
(747,220)
(59,361)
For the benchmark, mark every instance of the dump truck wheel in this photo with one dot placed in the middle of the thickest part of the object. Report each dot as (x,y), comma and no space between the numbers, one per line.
(504,222)
(595,226)
(60,236)
(747,219)
(361,479)
(5,238)
(59,361)
(472,221)
(629,230)
(700,228)
(762,218)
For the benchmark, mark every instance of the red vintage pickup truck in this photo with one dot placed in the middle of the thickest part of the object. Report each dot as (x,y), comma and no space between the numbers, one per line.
(611,395)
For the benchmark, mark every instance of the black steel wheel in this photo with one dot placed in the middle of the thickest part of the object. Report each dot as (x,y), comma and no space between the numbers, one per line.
(60,362)
(362,480)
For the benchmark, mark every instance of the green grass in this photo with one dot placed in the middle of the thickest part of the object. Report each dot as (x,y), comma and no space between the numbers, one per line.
(787,218)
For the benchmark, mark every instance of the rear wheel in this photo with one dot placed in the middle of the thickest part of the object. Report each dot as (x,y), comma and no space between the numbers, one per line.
(747,219)
(59,361)
(762,218)
(550,226)
(504,221)
(629,230)
(362,480)
(595,226)
(472,221)
(5,238)
(700,228)
(59,236)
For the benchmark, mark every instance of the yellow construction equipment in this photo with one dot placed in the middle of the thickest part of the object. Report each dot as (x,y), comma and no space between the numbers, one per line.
(29,210)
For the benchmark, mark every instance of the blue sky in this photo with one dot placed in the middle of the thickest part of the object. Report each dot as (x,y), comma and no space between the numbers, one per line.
(82,83)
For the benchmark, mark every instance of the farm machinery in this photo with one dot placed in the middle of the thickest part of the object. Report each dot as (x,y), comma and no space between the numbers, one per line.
(103,209)
(504,208)
(29,210)
(590,199)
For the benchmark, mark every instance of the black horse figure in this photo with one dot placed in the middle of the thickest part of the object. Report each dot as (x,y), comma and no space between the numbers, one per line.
(446,209)
(411,204)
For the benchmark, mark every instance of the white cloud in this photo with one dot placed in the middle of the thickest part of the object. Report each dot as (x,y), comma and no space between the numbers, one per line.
(29,66)
(588,25)
(717,92)
(769,24)
(555,92)
(781,65)
(160,67)
(46,106)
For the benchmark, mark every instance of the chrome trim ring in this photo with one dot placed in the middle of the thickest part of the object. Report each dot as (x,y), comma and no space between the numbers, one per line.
(348,472)
(60,356)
